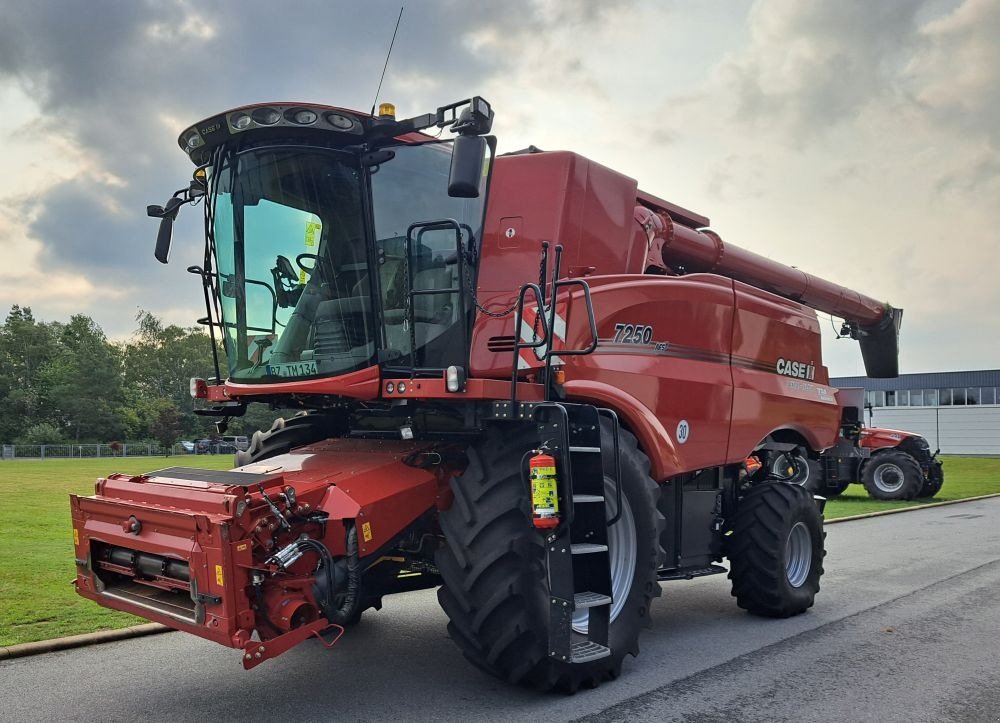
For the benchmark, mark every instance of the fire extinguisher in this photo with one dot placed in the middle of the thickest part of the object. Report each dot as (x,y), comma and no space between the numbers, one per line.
(544,490)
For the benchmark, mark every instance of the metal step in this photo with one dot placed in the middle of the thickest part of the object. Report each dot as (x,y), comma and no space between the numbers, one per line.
(586,651)
(588,450)
(590,600)
(585,548)
(688,573)
(577,499)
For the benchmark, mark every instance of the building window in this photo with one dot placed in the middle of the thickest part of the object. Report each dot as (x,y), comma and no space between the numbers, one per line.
(902,398)
(958,396)
(916,397)
(945,397)
(972,395)
(989,395)
(930,397)
(890,398)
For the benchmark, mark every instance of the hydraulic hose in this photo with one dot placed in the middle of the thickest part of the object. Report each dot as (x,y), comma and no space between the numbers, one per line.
(348,608)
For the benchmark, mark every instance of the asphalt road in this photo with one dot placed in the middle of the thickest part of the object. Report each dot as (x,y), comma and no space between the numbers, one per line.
(906,627)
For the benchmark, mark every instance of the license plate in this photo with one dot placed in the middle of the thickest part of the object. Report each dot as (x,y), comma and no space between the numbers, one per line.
(294,369)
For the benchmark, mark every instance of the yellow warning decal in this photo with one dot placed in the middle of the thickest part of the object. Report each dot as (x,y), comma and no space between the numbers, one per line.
(366,531)
(76,536)
(218,575)
(312,227)
(242,546)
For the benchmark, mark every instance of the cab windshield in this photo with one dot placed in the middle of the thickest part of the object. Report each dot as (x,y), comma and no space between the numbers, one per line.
(289,242)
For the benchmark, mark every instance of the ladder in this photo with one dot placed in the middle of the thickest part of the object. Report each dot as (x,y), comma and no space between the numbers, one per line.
(576,552)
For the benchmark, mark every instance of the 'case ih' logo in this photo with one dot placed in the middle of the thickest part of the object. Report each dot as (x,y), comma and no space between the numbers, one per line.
(799,370)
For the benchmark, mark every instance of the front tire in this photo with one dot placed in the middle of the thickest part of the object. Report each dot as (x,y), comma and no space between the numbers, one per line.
(776,550)
(892,475)
(495,590)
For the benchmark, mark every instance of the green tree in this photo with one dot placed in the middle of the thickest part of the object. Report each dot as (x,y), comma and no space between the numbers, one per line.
(158,363)
(26,346)
(167,427)
(81,382)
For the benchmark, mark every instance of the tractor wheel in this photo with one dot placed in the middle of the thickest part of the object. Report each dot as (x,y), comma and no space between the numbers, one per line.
(776,550)
(935,479)
(495,590)
(284,435)
(797,468)
(892,475)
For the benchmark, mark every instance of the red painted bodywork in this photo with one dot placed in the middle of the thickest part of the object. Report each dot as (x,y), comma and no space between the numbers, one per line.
(879,438)
(223,531)
(716,342)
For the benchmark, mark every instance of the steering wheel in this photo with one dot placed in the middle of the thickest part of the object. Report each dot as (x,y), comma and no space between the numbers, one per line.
(317,262)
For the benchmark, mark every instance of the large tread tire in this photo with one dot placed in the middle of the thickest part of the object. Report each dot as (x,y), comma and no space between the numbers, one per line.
(495,590)
(892,475)
(759,550)
(933,482)
(284,435)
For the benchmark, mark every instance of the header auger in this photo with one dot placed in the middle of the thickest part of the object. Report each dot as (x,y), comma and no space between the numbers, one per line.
(520,379)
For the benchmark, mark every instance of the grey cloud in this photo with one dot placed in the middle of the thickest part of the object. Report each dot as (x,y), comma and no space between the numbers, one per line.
(811,65)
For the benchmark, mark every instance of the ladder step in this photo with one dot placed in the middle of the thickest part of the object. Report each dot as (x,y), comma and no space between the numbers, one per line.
(588,450)
(577,499)
(590,600)
(586,651)
(585,548)
(689,573)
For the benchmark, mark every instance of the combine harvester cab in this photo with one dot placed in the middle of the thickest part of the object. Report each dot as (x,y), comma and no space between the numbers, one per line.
(520,378)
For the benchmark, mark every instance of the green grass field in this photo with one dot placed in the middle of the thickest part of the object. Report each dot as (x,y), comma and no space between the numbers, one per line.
(37,600)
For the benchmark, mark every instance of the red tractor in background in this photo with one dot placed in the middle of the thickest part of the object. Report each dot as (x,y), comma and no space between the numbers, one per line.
(520,379)
(890,463)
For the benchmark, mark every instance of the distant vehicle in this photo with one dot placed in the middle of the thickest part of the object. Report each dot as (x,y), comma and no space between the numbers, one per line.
(188,446)
(204,446)
(238,444)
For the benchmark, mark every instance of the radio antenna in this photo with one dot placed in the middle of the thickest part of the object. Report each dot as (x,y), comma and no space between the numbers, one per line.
(391,42)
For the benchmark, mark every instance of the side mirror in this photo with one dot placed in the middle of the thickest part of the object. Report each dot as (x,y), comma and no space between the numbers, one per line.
(163,236)
(166,214)
(467,157)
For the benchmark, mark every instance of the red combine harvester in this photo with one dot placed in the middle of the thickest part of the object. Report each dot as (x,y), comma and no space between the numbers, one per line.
(521,379)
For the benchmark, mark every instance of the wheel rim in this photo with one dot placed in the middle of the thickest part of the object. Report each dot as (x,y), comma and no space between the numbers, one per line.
(783,462)
(798,554)
(888,477)
(622,551)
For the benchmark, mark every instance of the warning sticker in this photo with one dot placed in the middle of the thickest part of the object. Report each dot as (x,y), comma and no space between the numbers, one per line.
(366,531)
(313,229)
(76,536)
(218,575)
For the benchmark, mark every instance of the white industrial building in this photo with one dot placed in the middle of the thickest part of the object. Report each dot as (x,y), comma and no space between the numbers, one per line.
(958,412)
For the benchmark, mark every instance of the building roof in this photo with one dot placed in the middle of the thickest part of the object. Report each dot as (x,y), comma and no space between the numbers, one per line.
(927,380)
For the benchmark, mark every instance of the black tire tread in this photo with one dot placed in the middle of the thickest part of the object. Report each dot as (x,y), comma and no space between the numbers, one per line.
(913,476)
(492,564)
(756,549)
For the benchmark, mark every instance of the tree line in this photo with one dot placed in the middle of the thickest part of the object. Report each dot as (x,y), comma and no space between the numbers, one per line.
(66,382)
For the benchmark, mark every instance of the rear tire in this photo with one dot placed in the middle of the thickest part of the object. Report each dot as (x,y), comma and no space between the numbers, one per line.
(495,590)
(892,475)
(776,550)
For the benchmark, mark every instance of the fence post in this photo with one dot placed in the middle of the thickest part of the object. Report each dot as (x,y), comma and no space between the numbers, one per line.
(42,448)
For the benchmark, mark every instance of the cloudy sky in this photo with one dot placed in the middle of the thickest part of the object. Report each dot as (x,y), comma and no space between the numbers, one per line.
(857,140)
